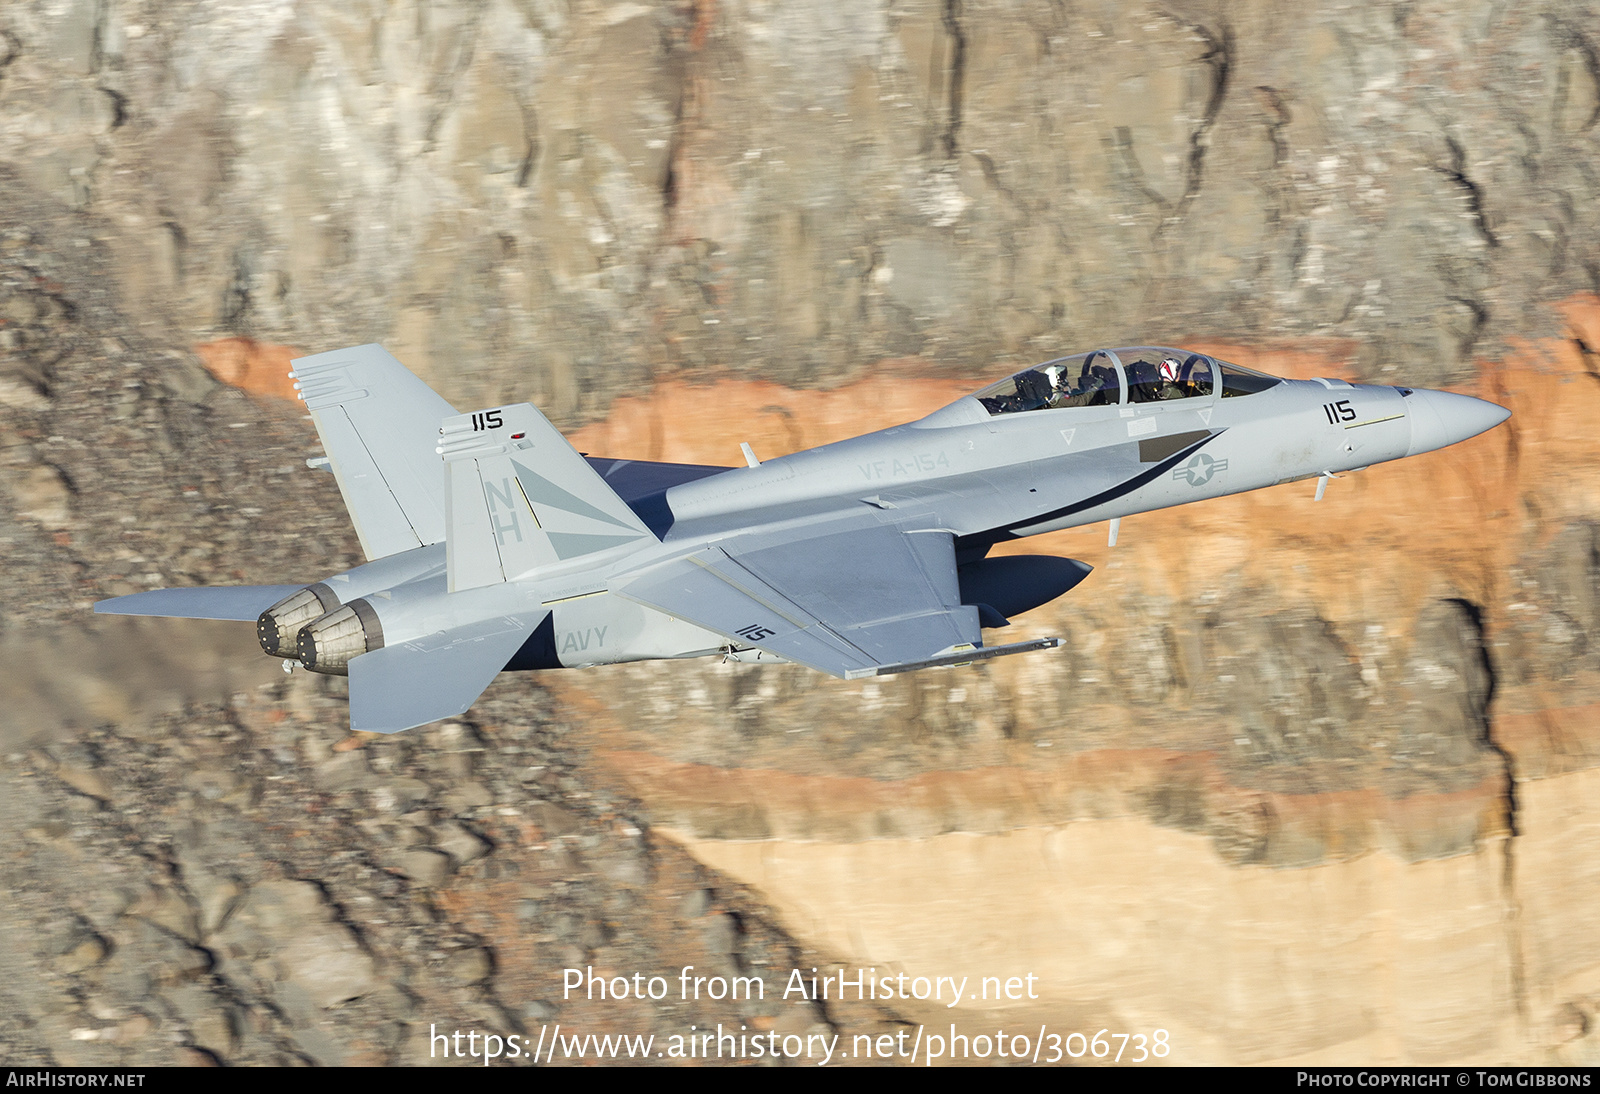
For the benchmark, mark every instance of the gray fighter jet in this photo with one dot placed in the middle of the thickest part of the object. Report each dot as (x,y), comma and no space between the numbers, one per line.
(494,545)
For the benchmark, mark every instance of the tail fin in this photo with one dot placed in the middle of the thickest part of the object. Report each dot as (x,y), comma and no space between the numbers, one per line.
(520,496)
(379,425)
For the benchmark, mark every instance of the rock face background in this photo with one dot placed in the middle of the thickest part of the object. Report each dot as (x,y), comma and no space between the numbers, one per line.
(1309,782)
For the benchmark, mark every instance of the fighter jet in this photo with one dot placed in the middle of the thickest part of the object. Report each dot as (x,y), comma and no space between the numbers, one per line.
(494,545)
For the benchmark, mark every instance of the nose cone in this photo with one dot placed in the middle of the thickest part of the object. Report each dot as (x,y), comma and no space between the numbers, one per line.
(1440,418)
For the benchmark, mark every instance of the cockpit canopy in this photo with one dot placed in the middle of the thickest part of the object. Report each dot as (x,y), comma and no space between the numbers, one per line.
(1108,377)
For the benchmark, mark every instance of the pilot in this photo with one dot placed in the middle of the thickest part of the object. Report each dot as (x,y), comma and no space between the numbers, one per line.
(1099,386)
(1174,380)
(1079,391)
(1034,390)
(1060,387)
(1142,382)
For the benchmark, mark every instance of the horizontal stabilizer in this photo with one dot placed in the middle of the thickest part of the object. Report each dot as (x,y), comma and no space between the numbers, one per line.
(242,602)
(437,676)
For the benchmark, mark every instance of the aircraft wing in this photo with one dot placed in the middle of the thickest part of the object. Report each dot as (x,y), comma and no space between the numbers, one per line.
(851,599)
(438,676)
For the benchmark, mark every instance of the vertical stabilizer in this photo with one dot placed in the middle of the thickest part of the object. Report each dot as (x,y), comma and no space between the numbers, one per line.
(378,424)
(519,497)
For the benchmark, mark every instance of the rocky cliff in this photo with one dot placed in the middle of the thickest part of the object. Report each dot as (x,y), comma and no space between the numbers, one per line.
(1308,781)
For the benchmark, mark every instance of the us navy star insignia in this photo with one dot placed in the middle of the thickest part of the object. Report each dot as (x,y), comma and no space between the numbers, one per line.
(1199,470)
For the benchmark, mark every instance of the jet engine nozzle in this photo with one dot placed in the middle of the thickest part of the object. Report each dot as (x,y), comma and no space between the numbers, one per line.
(327,643)
(278,626)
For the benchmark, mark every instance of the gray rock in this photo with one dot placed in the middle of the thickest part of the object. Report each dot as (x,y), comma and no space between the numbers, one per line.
(469,966)
(467,797)
(85,954)
(399,795)
(555,820)
(89,783)
(425,867)
(217,898)
(211,783)
(41,495)
(695,903)
(461,843)
(317,1044)
(167,909)
(211,1022)
(345,771)
(291,924)
(721,934)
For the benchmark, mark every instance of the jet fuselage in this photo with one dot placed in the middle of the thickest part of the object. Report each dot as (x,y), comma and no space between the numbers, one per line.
(496,545)
(980,477)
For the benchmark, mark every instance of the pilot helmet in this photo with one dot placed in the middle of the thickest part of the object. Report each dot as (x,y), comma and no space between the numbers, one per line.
(1169,369)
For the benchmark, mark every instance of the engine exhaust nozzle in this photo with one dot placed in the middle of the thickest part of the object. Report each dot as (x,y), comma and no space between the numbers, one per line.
(327,643)
(278,627)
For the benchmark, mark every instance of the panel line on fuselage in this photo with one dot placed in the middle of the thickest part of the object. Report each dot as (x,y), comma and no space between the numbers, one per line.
(1374,421)
(1123,488)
